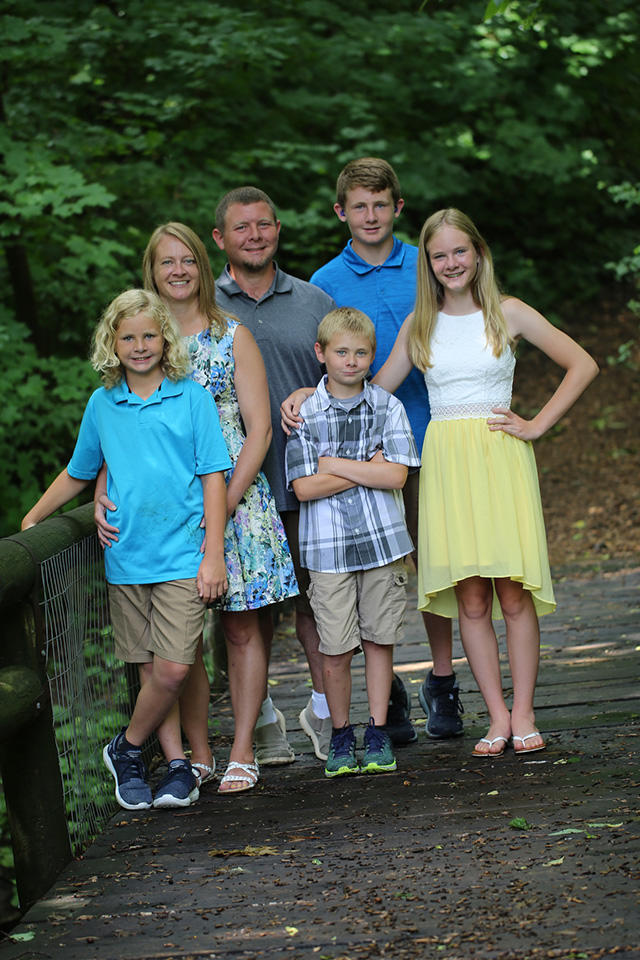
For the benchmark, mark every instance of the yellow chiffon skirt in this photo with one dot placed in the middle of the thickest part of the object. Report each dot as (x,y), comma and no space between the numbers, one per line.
(480,515)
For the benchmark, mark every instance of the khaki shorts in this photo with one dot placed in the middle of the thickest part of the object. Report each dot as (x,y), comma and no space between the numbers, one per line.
(363,605)
(290,519)
(156,619)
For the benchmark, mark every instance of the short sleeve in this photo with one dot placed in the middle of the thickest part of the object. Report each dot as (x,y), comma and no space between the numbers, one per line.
(301,454)
(87,456)
(398,445)
(211,453)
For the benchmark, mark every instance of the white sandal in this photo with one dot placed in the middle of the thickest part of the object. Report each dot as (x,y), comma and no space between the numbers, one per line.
(203,772)
(489,752)
(524,748)
(251,775)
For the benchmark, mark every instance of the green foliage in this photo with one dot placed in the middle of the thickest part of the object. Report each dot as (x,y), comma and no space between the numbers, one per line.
(42,398)
(627,270)
(116,121)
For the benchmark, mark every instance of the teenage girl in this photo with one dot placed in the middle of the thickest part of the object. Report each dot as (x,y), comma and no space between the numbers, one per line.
(482,546)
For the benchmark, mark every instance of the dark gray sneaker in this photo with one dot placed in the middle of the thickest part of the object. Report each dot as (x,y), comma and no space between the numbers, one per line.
(125,764)
(399,727)
(442,706)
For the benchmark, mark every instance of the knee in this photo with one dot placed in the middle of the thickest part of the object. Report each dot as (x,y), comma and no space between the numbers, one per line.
(336,664)
(241,634)
(514,600)
(475,605)
(171,675)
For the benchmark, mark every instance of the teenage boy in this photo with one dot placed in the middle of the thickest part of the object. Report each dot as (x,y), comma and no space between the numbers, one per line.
(347,464)
(376,273)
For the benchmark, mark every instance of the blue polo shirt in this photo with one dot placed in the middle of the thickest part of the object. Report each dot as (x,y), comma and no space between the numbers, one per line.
(155,450)
(386,292)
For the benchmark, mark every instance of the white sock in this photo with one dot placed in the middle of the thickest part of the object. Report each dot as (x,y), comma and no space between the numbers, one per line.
(267,713)
(319,705)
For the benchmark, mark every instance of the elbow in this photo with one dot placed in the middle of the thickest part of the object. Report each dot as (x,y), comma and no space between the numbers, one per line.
(300,491)
(594,371)
(401,478)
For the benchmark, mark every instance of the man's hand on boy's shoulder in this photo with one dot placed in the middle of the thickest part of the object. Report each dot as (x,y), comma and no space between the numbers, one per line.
(290,417)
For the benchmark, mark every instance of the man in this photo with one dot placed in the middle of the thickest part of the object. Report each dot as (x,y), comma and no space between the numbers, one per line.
(283,314)
(376,273)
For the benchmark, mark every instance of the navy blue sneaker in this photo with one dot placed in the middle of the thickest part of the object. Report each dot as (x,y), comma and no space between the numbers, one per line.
(441,703)
(179,787)
(378,752)
(342,754)
(125,763)
(399,727)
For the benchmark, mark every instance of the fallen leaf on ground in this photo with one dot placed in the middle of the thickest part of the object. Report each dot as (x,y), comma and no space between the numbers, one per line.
(247,851)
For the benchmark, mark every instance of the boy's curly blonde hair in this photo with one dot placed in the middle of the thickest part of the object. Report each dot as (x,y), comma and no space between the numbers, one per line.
(175,361)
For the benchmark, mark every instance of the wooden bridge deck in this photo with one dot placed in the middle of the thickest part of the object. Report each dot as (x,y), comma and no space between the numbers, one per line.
(450,857)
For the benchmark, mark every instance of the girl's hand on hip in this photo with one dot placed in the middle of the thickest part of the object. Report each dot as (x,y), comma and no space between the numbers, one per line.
(509,422)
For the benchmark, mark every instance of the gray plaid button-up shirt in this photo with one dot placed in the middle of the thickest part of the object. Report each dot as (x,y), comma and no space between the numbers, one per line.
(362,527)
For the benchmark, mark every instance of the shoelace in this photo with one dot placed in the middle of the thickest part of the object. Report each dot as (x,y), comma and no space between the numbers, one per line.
(448,703)
(375,737)
(132,766)
(342,742)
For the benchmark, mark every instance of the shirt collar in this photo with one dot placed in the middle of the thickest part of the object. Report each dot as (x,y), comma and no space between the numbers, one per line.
(281,283)
(168,388)
(358,265)
(327,400)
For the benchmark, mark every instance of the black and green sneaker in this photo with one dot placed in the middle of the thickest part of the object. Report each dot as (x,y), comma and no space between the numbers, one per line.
(378,752)
(342,753)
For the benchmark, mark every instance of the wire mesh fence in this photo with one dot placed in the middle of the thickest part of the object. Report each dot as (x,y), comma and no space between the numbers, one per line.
(90,690)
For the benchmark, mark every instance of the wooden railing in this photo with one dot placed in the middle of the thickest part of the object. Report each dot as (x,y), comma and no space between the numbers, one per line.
(28,754)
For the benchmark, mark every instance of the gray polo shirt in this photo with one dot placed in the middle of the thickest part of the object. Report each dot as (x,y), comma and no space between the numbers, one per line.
(284,322)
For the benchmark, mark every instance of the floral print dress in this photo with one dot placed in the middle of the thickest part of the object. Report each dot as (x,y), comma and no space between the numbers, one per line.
(259,566)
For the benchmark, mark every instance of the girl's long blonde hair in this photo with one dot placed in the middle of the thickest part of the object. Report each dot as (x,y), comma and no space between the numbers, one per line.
(430,293)
(175,361)
(207,305)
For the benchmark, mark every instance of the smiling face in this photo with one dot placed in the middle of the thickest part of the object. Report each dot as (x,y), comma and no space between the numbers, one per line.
(139,346)
(175,270)
(250,237)
(347,357)
(370,218)
(453,259)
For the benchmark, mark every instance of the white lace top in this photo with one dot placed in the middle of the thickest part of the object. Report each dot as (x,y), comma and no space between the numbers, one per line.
(466,379)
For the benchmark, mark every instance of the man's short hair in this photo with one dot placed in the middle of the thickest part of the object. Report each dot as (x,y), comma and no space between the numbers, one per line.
(244,196)
(372,173)
(346,320)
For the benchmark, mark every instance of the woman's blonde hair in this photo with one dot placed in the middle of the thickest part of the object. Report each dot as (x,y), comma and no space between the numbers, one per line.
(430,293)
(175,362)
(207,305)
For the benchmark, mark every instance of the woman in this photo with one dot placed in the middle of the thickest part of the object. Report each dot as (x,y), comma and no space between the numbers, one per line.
(227,362)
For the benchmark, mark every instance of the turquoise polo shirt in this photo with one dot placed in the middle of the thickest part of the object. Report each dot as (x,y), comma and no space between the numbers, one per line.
(386,292)
(155,450)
